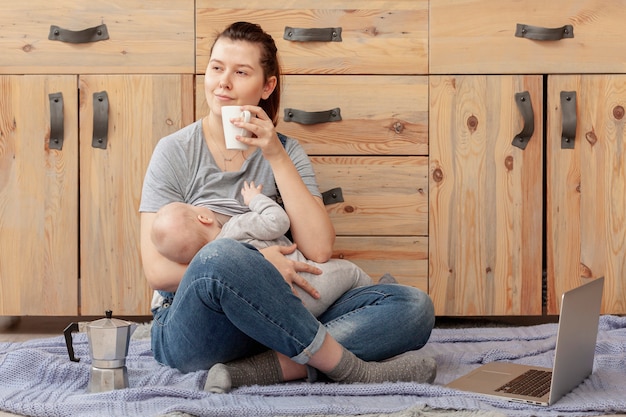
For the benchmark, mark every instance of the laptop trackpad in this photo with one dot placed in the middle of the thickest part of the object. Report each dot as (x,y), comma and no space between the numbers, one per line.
(488,377)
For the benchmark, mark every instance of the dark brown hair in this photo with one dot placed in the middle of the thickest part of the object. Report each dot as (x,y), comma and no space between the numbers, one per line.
(253,33)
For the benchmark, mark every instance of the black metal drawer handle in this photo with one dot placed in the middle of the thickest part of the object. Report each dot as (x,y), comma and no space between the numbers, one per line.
(544,34)
(526,109)
(56,121)
(100,120)
(568,124)
(312,117)
(332,196)
(312,34)
(94,34)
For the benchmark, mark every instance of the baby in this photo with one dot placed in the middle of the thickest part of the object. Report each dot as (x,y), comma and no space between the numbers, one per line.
(180,230)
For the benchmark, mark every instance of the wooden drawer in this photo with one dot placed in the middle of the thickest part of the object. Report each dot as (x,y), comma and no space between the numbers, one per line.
(404,257)
(478,36)
(383,195)
(146,37)
(380,115)
(378,37)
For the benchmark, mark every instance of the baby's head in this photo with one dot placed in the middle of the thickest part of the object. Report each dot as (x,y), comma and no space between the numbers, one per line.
(180,230)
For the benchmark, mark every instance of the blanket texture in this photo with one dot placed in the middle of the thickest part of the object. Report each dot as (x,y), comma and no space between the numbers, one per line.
(37,379)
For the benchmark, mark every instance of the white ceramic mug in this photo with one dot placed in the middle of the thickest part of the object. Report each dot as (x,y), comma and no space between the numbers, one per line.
(230,130)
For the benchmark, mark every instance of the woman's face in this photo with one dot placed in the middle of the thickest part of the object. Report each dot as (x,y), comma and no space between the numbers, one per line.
(234,76)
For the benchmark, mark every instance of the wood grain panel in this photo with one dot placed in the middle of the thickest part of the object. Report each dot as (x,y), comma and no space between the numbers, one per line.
(142,110)
(378,37)
(478,37)
(38,198)
(404,257)
(383,195)
(155,36)
(485,234)
(586,205)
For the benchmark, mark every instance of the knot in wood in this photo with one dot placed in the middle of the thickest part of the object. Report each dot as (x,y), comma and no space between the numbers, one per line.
(508,163)
(398,127)
(591,137)
(437,175)
(618,112)
(349,209)
(472,123)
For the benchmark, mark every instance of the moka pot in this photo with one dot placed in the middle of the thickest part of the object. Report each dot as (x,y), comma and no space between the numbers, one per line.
(108,346)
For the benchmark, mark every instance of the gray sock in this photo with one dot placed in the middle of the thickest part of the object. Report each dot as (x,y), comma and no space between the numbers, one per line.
(387,278)
(262,369)
(411,366)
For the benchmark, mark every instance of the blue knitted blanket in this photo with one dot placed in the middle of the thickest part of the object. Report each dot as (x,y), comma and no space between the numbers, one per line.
(37,379)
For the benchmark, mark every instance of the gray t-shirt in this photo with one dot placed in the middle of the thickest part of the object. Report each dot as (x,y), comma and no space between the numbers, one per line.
(182,169)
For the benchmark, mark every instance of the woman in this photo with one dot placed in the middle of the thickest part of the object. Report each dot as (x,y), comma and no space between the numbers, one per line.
(233,309)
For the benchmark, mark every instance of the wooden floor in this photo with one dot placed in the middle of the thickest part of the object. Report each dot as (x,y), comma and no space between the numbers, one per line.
(26,328)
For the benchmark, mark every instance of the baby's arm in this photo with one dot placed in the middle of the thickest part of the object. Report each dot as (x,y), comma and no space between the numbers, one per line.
(249,191)
(267,220)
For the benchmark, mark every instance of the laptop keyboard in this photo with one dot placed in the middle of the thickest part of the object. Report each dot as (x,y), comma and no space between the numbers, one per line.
(533,383)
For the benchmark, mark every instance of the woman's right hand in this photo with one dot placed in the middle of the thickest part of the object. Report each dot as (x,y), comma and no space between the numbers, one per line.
(290,269)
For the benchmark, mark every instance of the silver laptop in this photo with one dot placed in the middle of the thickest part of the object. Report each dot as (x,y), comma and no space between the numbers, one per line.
(573,356)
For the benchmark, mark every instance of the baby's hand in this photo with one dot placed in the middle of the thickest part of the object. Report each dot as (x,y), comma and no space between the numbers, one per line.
(249,191)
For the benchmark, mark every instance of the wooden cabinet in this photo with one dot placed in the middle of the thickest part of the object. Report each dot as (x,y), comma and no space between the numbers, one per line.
(371,83)
(424,102)
(69,211)
(497,246)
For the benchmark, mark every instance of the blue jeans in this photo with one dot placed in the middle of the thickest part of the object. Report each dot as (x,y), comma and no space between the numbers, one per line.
(232,303)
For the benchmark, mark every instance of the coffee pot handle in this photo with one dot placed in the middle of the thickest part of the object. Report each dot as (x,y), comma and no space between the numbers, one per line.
(72,327)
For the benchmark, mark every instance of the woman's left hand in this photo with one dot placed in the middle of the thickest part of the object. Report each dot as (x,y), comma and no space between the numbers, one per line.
(290,269)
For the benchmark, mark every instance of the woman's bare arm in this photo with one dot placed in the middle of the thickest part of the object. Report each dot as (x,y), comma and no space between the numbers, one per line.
(311,227)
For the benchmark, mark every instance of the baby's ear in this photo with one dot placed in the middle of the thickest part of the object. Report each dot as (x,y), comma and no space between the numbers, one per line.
(205,220)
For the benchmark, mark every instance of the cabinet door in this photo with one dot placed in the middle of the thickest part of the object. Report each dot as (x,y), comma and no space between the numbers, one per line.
(38,198)
(142,109)
(485,212)
(586,189)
